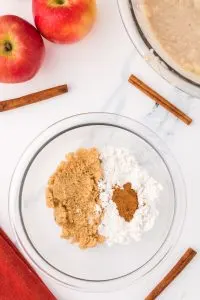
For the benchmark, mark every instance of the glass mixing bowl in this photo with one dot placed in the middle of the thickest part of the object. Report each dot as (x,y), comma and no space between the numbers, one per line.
(102,268)
(133,18)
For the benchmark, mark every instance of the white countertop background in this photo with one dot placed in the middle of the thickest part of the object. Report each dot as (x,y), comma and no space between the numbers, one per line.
(96,70)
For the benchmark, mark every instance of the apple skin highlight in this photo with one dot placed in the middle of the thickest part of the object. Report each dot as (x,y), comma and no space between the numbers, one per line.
(64,21)
(21,50)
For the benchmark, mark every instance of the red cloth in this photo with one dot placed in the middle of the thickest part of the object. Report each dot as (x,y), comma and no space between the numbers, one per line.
(18,280)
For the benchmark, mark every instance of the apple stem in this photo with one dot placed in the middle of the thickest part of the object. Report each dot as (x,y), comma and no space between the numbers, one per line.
(60,2)
(8,46)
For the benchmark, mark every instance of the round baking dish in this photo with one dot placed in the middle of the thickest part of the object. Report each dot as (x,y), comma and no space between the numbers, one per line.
(134,21)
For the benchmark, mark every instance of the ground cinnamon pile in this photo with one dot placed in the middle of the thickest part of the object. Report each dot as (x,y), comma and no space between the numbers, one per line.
(126,200)
(73,193)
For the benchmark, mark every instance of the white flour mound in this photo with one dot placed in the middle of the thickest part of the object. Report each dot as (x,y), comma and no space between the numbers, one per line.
(120,167)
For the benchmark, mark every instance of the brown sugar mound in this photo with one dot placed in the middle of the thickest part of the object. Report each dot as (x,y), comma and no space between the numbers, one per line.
(126,200)
(73,193)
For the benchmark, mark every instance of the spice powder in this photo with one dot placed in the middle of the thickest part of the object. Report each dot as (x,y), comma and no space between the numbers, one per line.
(126,200)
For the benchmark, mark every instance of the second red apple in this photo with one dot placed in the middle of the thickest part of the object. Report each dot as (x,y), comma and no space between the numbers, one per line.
(64,21)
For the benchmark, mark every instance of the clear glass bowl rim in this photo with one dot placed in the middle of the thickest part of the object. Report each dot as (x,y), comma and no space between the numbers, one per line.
(153,140)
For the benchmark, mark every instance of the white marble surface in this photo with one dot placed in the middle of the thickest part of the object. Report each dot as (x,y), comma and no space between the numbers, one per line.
(96,70)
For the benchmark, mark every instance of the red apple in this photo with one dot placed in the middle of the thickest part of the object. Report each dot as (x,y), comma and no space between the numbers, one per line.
(64,21)
(21,50)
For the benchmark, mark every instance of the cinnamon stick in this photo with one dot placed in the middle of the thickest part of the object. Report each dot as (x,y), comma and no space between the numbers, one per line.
(159,99)
(175,271)
(33,98)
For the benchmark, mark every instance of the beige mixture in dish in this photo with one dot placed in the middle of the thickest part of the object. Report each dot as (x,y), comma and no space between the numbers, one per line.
(176,25)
